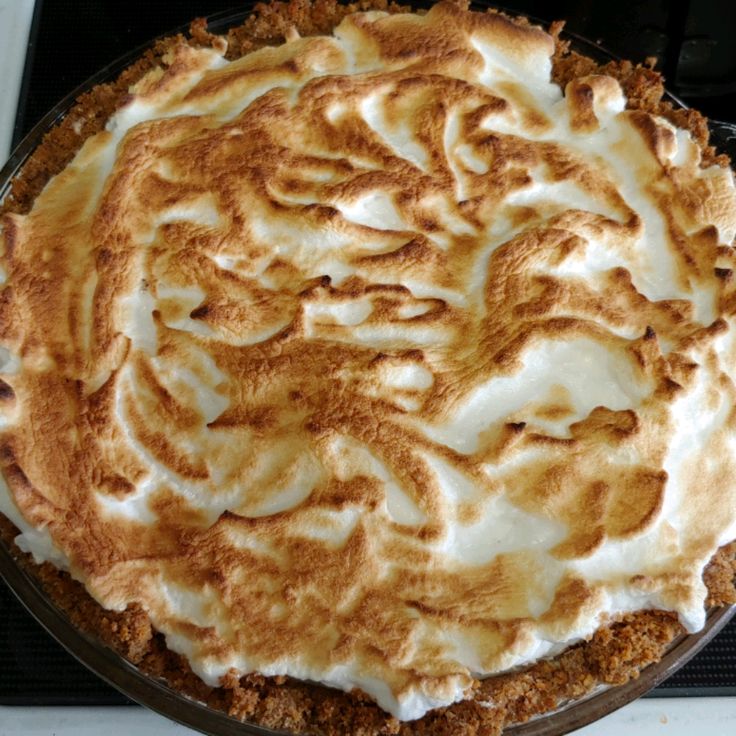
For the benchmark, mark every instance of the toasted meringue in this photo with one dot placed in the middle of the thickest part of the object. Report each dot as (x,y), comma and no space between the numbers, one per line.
(375,359)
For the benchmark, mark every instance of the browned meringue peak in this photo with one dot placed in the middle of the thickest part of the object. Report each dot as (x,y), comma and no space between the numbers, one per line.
(372,359)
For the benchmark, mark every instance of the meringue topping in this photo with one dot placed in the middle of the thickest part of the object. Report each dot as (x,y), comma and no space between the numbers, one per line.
(375,359)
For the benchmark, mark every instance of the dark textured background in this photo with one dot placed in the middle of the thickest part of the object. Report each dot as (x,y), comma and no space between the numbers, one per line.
(73,39)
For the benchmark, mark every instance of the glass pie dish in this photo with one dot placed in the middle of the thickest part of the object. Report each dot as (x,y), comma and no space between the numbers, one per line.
(157,695)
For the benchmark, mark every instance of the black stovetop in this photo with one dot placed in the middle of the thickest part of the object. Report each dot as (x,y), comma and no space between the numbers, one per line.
(72,40)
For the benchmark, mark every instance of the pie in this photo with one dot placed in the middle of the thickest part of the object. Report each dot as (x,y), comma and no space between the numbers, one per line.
(389,351)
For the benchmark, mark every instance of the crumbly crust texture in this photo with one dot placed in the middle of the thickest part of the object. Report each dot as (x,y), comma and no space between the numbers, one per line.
(616,654)
(613,655)
(643,87)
